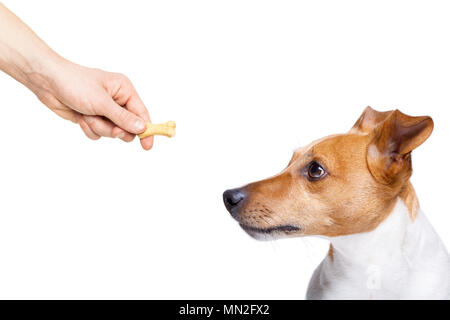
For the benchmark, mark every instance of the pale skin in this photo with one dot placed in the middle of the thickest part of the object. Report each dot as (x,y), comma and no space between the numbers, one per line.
(103,104)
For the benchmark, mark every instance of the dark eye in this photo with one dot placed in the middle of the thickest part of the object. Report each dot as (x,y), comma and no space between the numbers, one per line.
(315,171)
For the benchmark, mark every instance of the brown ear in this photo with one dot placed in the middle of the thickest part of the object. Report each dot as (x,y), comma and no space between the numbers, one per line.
(388,155)
(369,120)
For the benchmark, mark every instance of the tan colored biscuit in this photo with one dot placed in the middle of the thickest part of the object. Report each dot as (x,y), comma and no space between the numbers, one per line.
(164,129)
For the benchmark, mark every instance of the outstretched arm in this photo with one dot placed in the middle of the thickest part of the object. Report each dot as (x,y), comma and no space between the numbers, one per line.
(104,104)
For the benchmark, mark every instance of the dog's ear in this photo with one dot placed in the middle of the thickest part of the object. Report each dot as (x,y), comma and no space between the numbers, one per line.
(369,120)
(389,153)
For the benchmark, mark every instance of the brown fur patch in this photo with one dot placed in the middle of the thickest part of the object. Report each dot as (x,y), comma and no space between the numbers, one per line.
(347,201)
(369,119)
(367,169)
(409,197)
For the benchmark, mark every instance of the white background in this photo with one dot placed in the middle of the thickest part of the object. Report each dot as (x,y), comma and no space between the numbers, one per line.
(247,82)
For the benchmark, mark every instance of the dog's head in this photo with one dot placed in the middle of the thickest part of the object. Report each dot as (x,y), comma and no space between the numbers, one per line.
(338,185)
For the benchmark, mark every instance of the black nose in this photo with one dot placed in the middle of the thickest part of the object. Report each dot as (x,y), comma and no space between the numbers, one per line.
(233,200)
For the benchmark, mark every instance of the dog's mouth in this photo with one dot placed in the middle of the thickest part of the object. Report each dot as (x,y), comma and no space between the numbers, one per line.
(286,229)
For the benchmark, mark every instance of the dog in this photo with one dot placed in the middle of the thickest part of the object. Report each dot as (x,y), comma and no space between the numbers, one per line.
(354,190)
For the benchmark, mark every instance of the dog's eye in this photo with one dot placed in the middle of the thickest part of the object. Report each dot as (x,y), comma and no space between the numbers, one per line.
(315,171)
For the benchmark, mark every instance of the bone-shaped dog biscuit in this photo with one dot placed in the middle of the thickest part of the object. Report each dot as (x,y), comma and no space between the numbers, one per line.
(164,129)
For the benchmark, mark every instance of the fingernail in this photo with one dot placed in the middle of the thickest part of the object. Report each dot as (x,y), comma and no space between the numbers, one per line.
(89,119)
(120,135)
(139,125)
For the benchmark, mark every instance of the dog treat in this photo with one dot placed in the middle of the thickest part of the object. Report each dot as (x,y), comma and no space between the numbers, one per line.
(164,129)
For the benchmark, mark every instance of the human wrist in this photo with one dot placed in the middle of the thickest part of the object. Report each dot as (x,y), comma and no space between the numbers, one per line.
(39,71)
(33,69)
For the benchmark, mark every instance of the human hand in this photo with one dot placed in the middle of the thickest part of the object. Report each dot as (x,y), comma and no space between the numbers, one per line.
(104,104)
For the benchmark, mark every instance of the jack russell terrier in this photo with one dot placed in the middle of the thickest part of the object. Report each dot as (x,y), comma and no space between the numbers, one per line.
(354,189)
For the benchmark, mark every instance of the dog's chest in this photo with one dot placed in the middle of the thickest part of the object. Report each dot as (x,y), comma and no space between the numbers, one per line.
(369,280)
(397,260)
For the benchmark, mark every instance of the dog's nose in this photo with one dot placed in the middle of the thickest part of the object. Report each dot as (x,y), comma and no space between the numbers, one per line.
(233,200)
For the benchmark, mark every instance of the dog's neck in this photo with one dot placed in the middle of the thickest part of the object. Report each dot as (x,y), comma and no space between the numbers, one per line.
(401,258)
(381,244)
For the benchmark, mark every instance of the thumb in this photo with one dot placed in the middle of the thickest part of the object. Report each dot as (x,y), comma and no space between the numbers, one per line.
(123,118)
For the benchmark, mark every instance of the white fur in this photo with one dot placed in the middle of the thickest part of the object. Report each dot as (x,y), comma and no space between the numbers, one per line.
(400,259)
